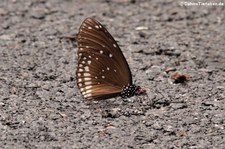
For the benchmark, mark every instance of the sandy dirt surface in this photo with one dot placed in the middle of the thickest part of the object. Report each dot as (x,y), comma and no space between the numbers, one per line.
(41,107)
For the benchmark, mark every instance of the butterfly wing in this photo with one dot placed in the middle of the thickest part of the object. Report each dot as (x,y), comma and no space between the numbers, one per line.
(102,68)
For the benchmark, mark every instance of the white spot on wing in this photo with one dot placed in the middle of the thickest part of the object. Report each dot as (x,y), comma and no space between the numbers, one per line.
(89,62)
(114,45)
(79,80)
(86,68)
(103,70)
(80,84)
(87,74)
(101,52)
(87,95)
(87,47)
(78,74)
(103,77)
(81,49)
(88,87)
(89,27)
(96,26)
(88,83)
(80,65)
(87,79)
(88,91)
(107,68)
(110,55)
(96,58)
(83,62)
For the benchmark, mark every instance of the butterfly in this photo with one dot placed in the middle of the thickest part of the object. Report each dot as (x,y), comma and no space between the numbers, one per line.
(102,70)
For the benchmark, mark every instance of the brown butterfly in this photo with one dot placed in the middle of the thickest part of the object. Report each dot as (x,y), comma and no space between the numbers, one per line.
(102,70)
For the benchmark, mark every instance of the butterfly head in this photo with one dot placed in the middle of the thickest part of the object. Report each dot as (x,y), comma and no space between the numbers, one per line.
(131,90)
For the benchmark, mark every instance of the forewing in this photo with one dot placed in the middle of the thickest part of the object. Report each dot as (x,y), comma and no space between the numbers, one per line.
(102,69)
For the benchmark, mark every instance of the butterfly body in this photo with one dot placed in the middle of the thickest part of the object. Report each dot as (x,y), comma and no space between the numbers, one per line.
(102,70)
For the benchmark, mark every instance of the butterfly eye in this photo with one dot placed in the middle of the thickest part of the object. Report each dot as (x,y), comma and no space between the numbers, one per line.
(102,70)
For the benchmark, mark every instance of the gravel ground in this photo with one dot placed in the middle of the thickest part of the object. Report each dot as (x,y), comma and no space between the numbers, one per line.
(41,107)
